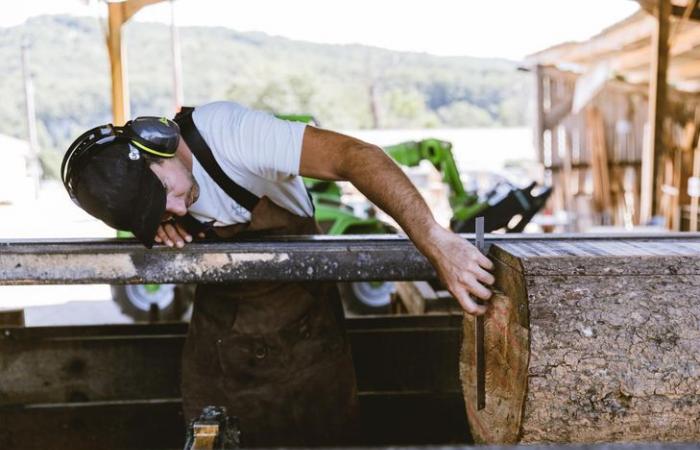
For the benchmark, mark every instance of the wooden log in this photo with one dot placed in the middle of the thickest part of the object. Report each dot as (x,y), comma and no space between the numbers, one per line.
(585,346)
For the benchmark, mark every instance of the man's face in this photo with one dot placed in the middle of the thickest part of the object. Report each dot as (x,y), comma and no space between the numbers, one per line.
(181,188)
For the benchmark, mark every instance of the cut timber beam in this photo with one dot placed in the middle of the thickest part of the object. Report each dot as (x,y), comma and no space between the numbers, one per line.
(589,342)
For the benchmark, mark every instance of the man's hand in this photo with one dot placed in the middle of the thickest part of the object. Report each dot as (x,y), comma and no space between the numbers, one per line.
(462,268)
(172,234)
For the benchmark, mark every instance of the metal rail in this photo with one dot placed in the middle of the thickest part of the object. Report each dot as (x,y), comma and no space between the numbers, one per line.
(313,258)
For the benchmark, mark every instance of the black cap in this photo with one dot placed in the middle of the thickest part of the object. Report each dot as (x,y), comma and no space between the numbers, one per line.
(115,184)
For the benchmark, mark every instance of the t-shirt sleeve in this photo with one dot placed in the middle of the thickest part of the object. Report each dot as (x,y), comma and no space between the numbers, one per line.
(268,146)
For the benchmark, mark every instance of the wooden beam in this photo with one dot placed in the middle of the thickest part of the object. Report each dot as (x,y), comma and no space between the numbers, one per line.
(558,112)
(120,87)
(687,40)
(539,113)
(676,10)
(636,28)
(657,107)
(131,7)
(118,14)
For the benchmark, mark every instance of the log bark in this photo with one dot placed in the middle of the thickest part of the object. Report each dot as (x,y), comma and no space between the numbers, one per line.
(590,342)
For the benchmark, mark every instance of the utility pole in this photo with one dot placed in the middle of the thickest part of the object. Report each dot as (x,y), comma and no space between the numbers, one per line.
(33,165)
(178,93)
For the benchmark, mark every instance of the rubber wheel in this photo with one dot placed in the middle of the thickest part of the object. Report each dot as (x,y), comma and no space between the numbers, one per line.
(367,297)
(171,301)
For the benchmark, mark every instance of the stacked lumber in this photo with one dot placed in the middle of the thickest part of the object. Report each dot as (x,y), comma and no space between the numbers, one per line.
(583,346)
(421,297)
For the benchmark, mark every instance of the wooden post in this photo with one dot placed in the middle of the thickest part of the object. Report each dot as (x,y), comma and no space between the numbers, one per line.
(118,14)
(694,199)
(539,113)
(657,107)
(120,88)
(178,93)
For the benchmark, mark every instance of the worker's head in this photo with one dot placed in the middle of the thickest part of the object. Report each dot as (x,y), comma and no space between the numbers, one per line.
(116,174)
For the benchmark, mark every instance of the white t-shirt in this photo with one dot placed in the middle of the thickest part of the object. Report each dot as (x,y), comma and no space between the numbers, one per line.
(256,150)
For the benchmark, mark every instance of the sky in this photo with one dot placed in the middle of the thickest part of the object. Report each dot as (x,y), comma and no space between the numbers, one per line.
(508,29)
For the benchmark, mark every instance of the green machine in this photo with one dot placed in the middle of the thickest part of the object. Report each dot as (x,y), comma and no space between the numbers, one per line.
(505,207)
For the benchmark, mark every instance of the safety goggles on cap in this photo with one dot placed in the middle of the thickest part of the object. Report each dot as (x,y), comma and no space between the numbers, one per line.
(156,136)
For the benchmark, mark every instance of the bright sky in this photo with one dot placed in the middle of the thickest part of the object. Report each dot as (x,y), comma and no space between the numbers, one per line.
(489,28)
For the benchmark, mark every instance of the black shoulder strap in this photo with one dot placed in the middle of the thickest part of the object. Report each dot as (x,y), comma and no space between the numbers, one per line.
(201,151)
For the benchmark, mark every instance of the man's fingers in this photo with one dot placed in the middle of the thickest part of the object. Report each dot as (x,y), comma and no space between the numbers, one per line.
(477,289)
(173,236)
(161,237)
(484,276)
(484,261)
(183,233)
(468,304)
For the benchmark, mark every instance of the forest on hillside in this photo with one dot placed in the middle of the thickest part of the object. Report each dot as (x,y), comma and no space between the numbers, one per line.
(343,86)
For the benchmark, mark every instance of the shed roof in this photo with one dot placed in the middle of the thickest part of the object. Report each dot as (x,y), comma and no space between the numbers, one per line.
(625,47)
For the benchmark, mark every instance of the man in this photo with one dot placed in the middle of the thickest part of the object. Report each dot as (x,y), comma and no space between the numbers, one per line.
(275,354)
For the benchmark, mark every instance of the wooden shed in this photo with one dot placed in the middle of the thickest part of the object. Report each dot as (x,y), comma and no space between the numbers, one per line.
(614,156)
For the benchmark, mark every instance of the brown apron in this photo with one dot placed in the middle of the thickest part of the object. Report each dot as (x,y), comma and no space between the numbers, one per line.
(274,354)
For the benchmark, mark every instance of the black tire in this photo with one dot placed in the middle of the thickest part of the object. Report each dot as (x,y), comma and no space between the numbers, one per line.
(172,301)
(367,297)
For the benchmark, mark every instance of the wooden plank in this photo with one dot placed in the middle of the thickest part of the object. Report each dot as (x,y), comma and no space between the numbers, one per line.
(695,199)
(599,162)
(539,112)
(628,33)
(410,297)
(685,42)
(657,108)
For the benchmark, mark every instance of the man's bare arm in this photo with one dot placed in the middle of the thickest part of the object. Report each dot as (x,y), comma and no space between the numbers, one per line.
(461,267)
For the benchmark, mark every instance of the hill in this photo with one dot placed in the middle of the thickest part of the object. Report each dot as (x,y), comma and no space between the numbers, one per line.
(344,86)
